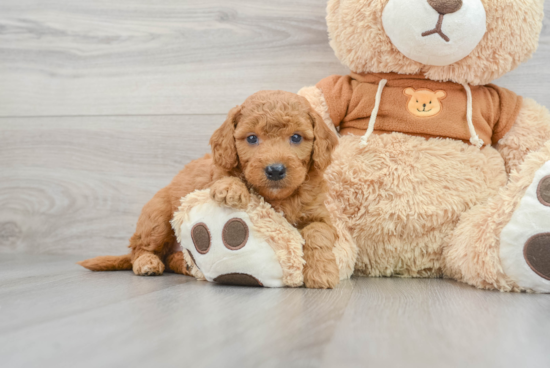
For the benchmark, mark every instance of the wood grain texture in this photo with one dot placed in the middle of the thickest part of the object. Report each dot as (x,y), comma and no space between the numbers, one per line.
(174,57)
(440,323)
(162,57)
(56,314)
(65,316)
(78,185)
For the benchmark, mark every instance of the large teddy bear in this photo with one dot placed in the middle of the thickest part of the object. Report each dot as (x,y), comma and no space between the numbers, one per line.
(438,173)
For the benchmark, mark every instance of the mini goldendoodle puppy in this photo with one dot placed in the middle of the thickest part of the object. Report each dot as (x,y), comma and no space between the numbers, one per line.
(275,144)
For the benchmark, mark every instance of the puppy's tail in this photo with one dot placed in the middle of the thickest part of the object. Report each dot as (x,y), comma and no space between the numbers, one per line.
(108,263)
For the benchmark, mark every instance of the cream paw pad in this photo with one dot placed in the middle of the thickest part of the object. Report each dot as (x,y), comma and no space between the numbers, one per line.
(252,247)
(525,241)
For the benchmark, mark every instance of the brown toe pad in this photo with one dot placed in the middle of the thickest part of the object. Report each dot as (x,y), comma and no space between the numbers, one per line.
(201,238)
(240,279)
(235,234)
(537,254)
(543,191)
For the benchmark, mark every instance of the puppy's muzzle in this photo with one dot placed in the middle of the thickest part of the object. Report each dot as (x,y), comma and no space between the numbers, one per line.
(275,172)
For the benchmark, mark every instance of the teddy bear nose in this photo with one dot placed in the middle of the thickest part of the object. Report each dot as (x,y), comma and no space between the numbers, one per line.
(275,172)
(446,6)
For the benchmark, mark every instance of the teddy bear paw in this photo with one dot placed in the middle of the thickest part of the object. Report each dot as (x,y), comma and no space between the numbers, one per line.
(525,240)
(223,246)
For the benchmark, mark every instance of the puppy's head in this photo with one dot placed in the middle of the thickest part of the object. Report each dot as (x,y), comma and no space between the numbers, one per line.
(276,140)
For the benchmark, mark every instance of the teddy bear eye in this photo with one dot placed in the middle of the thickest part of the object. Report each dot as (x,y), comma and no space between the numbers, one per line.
(430,102)
(416,101)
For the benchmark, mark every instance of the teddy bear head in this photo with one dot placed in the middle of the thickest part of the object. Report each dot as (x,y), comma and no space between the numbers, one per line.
(464,41)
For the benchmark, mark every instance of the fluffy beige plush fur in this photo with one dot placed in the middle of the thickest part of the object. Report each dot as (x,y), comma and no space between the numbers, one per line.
(528,134)
(400,198)
(472,254)
(415,207)
(360,42)
(410,207)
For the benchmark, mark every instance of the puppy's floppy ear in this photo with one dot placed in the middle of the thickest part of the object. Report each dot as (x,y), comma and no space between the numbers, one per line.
(324,142)
(222,141)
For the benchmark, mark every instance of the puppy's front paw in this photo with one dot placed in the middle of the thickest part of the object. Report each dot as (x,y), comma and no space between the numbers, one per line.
(321,269)
(230,192)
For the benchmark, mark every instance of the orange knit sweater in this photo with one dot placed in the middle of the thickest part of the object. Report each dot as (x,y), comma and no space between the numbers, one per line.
(414,105)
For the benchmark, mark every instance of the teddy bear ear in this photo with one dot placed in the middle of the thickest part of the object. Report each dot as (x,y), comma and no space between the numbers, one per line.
(441,95)
(409,91)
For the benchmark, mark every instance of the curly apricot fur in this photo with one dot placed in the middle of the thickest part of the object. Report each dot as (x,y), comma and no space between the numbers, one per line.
(234,168)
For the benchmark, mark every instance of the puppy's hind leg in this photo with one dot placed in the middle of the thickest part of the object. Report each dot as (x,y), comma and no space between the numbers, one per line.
(176,263)
(153,237)
(148,264)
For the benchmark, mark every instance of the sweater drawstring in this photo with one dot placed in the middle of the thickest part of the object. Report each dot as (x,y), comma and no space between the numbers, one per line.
(374,115)
(474,138)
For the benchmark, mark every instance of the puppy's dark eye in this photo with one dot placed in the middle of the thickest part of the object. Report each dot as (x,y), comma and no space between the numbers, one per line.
(296,138)
(252,139)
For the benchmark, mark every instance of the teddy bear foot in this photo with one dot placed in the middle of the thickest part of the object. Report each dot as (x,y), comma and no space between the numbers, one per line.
(537,254)
(525,240)
(248,247)
(238,279)
(224,250)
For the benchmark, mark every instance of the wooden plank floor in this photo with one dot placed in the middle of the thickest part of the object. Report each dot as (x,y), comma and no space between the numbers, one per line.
(55,314)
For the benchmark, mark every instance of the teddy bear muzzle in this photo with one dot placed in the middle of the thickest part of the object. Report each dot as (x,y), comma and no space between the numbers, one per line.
(443,7)
(435,32)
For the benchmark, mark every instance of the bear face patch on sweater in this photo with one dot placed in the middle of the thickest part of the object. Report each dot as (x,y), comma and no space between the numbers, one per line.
(425,102)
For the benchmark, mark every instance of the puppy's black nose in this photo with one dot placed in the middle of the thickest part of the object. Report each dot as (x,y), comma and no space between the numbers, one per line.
(275,172)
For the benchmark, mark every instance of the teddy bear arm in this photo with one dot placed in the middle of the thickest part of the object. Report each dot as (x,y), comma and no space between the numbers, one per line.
(317,100)
(529,133)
